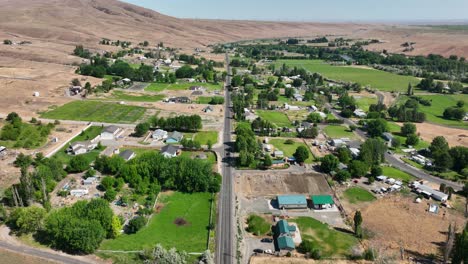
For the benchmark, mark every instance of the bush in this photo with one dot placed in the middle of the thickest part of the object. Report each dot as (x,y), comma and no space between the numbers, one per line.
(289,142)
(78,164)
(135,224)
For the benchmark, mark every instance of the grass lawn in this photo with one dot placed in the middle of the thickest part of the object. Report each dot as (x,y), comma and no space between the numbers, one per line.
(337,131)
(204,99)
(123,96)
(204,136)
(377,79)
(290,149)
(89,134)
(158,87)
(332,243)
(211,158)
(434,113)
(365,102)
(96,111)
(191,237)
(357,194)
(257,225)
(278,118)
(396,132)
(397,174)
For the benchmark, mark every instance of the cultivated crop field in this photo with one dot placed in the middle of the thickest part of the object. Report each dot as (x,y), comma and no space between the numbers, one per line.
(377,79)
(159,87)
(181,221)
(96,111)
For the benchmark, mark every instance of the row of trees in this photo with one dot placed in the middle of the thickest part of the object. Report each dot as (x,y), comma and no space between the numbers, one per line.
(151,172)
(183,123)
(246,145)
(455,158)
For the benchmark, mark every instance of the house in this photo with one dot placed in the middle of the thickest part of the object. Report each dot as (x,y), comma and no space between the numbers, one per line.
(322,114)
(75,90)
(292,201)
(322,201)
(285,243)
(428,191)
(79,192)
(90,181)
(337,142)
(284,229)
(291,107)
(127,155)
(387,136)
(267,147)
(110,132)
(382,178)
(82,147)
(174,137)
(354,152)
(312,108)
(170,151)
(208,109)
(360,113)
(342,166)
(298,97)
(159,134)
(278,154)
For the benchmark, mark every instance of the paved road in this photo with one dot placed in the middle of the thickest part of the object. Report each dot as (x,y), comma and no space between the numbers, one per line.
(396,162)
(42,254)
(226,223)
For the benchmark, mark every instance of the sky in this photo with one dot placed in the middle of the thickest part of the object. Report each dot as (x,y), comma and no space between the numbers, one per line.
(313,10)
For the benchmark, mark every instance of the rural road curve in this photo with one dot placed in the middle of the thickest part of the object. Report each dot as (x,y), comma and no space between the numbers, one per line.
(397,163)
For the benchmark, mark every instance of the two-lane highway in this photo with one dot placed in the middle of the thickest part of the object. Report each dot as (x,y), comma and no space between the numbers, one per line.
(225,252)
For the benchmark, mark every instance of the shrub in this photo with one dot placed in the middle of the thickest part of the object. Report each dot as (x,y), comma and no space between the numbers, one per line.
(135,224)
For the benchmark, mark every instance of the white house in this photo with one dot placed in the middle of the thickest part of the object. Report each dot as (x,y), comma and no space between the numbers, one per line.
(160,135)
(298,97)
(127,155)
(291,107)
(82,147)
(360,113)
(110,132)
(436,195)
(79,192)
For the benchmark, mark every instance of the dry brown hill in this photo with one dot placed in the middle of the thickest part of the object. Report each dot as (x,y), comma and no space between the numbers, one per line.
(55,26)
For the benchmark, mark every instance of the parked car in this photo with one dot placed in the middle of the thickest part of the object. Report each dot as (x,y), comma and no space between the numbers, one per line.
(267,240)
(258,250)
(268,251)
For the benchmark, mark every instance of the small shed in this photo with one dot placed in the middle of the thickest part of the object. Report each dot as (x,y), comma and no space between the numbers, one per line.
(322,201)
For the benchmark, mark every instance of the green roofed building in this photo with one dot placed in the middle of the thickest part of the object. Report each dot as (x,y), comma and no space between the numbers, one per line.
(286,243)
(283,228)
(322,201)
(292,201)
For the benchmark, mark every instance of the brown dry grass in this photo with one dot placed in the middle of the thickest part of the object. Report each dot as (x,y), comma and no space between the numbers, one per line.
(255,184)
(454,136)
(396,220)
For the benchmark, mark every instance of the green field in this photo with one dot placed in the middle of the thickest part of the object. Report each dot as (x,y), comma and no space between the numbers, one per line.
(377,79)
(257,225)
(96,111)
(191,237)
(159,87)
(204,136)
(365,102)
(123,96)
(89,134)
(337,131)
(278,118)
(357,194)
(211,157)
(396,132)
(397,174)
(332,243)
(434,113)
(290,149)
(204,99)
(32,136)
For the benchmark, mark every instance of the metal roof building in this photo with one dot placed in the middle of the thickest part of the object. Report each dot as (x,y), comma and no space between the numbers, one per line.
(292,201)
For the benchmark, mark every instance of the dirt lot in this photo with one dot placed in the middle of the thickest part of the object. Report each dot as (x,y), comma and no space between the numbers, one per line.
(11,257)
(256,184)
(397,219)
(454,136)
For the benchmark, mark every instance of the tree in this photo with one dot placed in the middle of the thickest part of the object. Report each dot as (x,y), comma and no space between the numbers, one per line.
(26,220)
(314,118)
(396,142)
(311,132)
(410,92)
(357,224)
(267,162)
(373,151)
(77,164)
(107,183)
(358,168)
(412,140)
(110,195)
(460,254)
(116,226)
(301,154)
(342,176)
(344,155)
(440,152)
(329,163)
(376,127)
(135,224)
(408,129)
(459,156)
(141,129)
(376,171)
(185,72)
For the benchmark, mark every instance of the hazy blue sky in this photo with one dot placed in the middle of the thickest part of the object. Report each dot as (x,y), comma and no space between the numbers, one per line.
(313,10)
